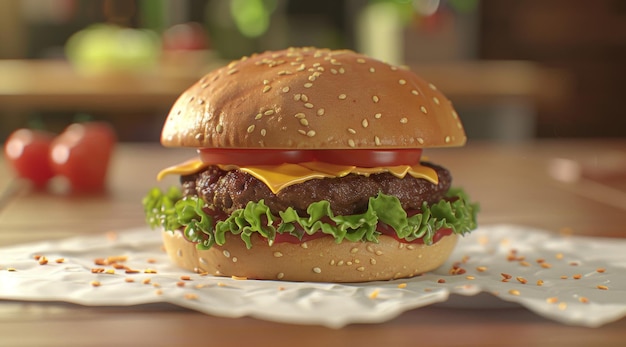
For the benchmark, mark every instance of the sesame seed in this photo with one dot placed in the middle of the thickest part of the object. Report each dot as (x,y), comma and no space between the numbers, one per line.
(342,96)
(414,92)
(317,270)
(320,112)
(304,98)
(372,261)
(266,82)
(310,133)
(219,128)
(285,89)
(436,100)
(304,122)
(312,78)
(301,131)
(375,98)
(235,259)
(308,85)
(351,143)
(378,115)
(455,115)
(250,129)
(403,82)
(263,132)
(351,131)
(342,70)
(226,253)
(364,123)
(232,71)
(447,139)
(301,67)
(377,140)
(284,72)
(299,115)
(514,292)
(258,116)
(280,275)
(308,105)
(420,140)
(266,89)
(404,120)
(360,61)
(394,68)
(354,250)
(278,254)
(424,110)
(360,268)
(297,97)
(333,71)
(432,86)
(372,69)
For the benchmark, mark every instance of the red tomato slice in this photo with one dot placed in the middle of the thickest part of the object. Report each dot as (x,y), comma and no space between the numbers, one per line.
(352,157)
(248,157)
(371,157)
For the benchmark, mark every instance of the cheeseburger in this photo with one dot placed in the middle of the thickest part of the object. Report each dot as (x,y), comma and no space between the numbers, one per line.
(309,167)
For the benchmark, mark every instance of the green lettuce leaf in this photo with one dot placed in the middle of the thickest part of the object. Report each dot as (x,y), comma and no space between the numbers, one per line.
(169,211)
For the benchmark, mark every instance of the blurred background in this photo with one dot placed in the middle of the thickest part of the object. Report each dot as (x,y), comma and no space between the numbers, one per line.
(515,70)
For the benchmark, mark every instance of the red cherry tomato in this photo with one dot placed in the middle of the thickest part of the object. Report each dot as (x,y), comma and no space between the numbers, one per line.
(82,154)
(352,157)
(27,151)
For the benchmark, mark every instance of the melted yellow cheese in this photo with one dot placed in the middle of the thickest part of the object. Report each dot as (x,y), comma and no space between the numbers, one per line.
(277,177)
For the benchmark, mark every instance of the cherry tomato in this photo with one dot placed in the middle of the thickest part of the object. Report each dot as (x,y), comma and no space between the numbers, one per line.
(26,151)
(82,154)
(356,157)
(246,157)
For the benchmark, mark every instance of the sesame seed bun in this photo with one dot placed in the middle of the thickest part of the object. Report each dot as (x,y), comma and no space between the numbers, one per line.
(318,260)
(312,99)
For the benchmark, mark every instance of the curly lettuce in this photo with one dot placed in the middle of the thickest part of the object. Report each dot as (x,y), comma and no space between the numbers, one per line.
(170,211)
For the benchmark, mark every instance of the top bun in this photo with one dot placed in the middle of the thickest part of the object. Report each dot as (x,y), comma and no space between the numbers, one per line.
(308,98)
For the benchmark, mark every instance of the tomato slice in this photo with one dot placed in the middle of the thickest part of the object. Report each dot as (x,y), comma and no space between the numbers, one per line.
(249,157)
(352,157)
(371,157)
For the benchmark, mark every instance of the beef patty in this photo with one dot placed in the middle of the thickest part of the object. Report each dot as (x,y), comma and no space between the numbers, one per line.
(232,190)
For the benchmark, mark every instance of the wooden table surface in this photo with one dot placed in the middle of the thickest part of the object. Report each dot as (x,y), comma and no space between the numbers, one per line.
(511,182)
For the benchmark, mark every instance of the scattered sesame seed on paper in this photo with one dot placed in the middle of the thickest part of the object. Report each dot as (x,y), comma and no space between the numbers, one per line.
(570,279)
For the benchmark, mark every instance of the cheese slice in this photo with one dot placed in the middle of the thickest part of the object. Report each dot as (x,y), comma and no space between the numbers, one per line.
(278,177)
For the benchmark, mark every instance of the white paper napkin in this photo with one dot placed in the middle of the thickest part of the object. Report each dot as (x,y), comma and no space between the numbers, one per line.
(573,280)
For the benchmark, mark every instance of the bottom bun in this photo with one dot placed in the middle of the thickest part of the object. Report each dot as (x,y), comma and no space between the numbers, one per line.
(318,260)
